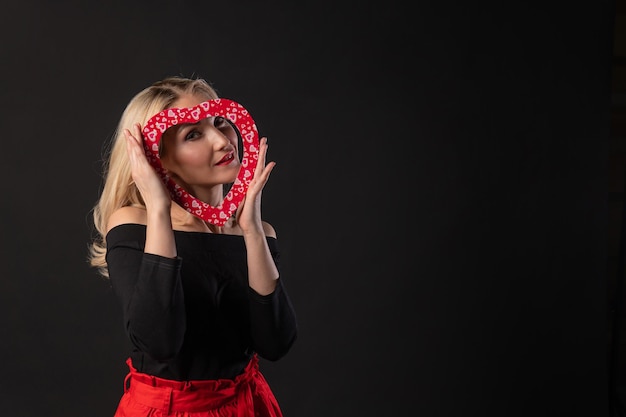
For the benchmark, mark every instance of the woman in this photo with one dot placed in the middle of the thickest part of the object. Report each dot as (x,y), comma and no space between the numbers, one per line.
(200,302)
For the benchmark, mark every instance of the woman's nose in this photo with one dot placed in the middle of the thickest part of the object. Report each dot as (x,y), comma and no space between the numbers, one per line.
(218,139)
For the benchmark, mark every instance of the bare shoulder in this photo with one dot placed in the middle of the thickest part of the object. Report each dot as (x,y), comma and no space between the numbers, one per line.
(269,230)
(127,214)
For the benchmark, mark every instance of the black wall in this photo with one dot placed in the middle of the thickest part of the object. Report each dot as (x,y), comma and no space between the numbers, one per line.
(440,196)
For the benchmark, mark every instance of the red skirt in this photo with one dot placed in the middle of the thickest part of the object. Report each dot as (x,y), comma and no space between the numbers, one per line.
(248,395)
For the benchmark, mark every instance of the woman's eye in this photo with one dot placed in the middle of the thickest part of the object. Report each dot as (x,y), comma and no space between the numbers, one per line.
(219,122)
(192,135)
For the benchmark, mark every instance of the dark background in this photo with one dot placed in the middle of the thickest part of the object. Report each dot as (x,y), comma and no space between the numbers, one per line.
(440,196)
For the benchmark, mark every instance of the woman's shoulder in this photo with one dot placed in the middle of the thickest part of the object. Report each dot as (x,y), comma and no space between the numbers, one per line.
(269,230)
(125,215)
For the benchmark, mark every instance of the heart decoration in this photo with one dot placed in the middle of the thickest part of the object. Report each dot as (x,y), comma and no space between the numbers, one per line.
(228,109)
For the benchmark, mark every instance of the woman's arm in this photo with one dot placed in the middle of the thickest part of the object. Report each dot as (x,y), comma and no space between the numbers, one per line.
(273,320)
(159,234)
(272,317)
(262,271)
(146,276)
(149,290)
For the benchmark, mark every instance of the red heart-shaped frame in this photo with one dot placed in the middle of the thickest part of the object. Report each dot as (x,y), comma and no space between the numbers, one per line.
(228,109)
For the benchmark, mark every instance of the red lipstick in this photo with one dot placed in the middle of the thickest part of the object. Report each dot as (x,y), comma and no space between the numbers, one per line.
(227,159)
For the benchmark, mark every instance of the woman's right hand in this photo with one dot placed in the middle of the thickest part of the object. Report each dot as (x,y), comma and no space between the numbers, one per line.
(152,189)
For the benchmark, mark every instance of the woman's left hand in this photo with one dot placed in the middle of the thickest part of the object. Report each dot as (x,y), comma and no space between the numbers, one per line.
(249,212)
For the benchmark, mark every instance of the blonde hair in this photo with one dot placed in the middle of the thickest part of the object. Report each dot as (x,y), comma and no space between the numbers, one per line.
(119,189)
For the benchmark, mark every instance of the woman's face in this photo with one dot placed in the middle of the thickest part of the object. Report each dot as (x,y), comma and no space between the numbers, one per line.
(201,155)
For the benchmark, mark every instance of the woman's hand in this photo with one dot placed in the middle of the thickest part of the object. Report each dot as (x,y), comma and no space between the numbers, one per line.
(249,212)
(152,189)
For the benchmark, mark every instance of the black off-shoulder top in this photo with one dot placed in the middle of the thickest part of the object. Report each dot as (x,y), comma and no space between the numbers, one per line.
(195,317)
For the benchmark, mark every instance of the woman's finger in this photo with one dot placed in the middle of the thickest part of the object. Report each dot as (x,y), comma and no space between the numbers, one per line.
(262,154)
(129,146)
(138,135)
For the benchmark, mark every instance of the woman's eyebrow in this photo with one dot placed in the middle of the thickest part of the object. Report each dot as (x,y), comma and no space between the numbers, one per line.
(183,126)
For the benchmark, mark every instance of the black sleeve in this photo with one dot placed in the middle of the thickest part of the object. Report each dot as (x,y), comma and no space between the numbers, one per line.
(273,320)
(150,291)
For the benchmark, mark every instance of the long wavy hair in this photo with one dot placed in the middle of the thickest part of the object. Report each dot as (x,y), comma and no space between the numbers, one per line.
(119,190)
